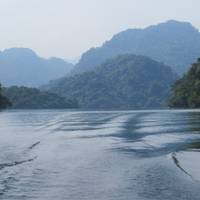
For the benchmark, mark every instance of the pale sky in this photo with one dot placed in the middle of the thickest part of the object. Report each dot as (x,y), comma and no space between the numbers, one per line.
(67,28)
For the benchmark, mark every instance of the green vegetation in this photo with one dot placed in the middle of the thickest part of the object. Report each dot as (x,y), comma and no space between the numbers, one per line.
(4,102)
(32,98)
(186,91)
(128,81)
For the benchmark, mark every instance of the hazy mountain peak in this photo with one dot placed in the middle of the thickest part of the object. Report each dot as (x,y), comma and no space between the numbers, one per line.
(173,22)
(170,26)
(22,66)
(174,25)
(174,43)
(19,52)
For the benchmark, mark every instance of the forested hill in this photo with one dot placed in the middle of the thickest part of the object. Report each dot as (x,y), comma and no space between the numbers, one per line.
(186,91)
(174,43)
(32,98)
(127,81)
(23,67)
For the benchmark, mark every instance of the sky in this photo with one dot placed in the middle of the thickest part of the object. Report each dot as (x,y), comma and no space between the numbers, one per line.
(67,28)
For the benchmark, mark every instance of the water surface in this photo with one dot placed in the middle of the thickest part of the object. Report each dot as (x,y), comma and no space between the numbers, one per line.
(101,155)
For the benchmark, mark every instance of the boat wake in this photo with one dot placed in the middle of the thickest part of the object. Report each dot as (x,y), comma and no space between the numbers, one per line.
(15,163)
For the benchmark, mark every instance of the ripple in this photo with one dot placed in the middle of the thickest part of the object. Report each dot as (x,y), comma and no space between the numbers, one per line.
(15,163)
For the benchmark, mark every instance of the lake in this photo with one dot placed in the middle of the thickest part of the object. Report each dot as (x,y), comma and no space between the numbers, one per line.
(100,155)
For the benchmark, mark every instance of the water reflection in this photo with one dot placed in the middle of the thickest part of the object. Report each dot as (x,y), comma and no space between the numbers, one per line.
(156,134)
(99,155)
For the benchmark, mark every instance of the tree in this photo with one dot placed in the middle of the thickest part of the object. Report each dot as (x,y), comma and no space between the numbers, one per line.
(186,91)
(4,102)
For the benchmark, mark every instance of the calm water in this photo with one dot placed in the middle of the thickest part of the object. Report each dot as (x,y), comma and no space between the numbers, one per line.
(117,155)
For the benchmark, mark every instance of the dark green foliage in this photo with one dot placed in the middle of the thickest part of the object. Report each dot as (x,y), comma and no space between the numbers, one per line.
(176,44)
(186,91)
(32,98)
(127,81)
(4,102)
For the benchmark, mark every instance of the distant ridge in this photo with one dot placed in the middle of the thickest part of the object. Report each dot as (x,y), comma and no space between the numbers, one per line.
(174,43)
(22,66)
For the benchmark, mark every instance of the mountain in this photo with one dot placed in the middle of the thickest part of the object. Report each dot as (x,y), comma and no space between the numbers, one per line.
(127,81)
(186,91)
(21,66)
(32,98)
(174,43)
(4,102)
